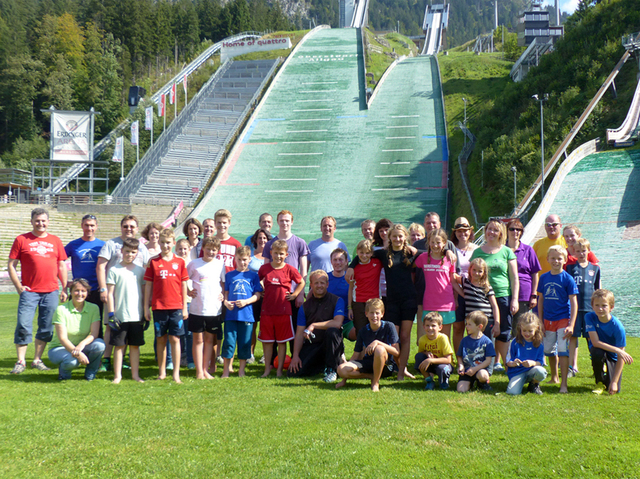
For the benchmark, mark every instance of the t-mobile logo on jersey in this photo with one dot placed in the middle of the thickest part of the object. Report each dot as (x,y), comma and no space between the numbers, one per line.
(163,273)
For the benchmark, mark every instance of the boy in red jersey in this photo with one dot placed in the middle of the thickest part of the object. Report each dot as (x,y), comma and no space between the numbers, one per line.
(166,293)
(275,319)
(366,282)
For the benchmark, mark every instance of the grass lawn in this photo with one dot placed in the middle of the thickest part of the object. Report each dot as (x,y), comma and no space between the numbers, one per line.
(256,427)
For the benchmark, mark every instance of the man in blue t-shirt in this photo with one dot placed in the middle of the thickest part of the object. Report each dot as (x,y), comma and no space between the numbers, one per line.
(318,344)
(83,253)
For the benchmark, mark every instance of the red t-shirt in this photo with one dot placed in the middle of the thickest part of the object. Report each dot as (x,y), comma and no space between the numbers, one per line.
(167,277)
(367,278)
(277,283)
(227,253)
(39,257)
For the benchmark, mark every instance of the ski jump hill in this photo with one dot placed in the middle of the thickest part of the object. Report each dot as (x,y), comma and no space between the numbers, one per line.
(313,147)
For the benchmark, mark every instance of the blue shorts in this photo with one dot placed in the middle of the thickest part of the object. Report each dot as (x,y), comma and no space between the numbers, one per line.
(579,329)
(168,321)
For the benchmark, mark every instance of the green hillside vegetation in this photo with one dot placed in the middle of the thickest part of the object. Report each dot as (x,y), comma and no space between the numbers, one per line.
(480,79)
(78,54)
(508,129)
(380,54)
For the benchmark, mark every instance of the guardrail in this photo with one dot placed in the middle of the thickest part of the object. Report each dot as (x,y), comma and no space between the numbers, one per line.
(99,147)
(572,160)
(630,123)
(143,168)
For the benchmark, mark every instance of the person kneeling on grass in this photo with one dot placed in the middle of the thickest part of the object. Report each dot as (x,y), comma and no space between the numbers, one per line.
(76,342)
(607,341)
(526,354)
(475,354)
(376,347)
(320,323)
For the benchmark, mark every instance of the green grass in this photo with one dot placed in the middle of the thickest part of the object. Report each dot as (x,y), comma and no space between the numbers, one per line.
(377,63)
(480,79)
(295,36)
(304,428)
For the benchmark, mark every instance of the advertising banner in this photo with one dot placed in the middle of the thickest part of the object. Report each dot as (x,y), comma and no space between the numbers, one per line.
(70,135)
(240,47)
(118,152)
(148,118)
(134,133)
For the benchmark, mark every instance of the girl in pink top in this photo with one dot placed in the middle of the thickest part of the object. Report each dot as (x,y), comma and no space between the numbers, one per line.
(440,281)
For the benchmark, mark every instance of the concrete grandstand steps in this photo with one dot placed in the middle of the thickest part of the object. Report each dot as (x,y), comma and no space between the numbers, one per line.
(194,152)
(15,220)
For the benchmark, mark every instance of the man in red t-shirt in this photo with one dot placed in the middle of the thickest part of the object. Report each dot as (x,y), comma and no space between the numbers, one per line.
(166,293)
(41,256)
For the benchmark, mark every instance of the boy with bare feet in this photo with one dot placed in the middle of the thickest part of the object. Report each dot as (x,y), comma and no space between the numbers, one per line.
(275,319)
(242,289)
(558,307)
(166,293)
(124,308)
(205,313)
(375,349)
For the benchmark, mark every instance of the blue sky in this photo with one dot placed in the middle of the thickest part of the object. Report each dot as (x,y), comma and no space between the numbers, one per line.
(566,5)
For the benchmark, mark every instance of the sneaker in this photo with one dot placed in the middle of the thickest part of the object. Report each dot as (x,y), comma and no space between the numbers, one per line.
(251,360)
(485,387)
(261,360)
(498,367)
(219,360)
(89,376)
(105,366)
(39,365)
(126,365)
(18,368)
(599,388)
(444,385)
(534,388)
(330,375)
(572,372)
(429,386)
(191,366)
(343,358)
(170,367)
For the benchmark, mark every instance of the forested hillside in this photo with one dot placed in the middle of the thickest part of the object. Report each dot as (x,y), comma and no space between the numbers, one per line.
(509,130)
(78,54)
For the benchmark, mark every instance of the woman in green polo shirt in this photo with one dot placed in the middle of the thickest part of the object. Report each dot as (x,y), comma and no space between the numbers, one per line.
(76,342)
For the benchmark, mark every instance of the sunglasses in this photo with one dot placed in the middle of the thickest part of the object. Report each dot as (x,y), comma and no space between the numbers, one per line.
(552,225)
(516,229)
(89,217)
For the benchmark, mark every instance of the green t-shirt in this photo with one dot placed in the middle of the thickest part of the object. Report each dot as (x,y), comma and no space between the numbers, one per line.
(77,324)
(498,264)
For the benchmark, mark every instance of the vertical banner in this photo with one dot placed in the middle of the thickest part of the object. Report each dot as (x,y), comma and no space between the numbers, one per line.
(134,133)
(118,152)
(172,94)
(184,85)
(161,105)
(70,135)
(148,118)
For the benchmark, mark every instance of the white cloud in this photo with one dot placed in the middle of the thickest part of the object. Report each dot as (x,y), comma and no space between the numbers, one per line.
(569,6)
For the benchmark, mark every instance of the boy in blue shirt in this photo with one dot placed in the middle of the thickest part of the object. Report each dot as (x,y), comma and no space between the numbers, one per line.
(475,354)
(375,348)
(587,278)
(607,342)
(558,307)
(242,288)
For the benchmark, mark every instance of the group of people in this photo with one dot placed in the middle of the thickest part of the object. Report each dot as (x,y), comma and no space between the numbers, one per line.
(521,306)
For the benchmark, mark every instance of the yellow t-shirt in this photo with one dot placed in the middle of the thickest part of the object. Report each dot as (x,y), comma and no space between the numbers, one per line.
(541,247)
(439,347)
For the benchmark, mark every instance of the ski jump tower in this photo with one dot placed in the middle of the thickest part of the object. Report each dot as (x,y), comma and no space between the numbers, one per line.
(436,20)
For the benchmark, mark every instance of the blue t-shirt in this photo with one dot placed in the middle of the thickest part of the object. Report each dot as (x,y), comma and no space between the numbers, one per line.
(612,332)
(340,288)
(475,351)
(241,285)
(337,311)
(523,352)
(386,334)
(587,280)
(84,258)
(556,289)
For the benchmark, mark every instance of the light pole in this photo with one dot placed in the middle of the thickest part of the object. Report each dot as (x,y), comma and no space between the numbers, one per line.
(541,99)
(515,190)
(465,120)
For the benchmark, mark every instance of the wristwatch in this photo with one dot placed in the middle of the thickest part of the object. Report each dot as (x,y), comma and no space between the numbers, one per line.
(102,290)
